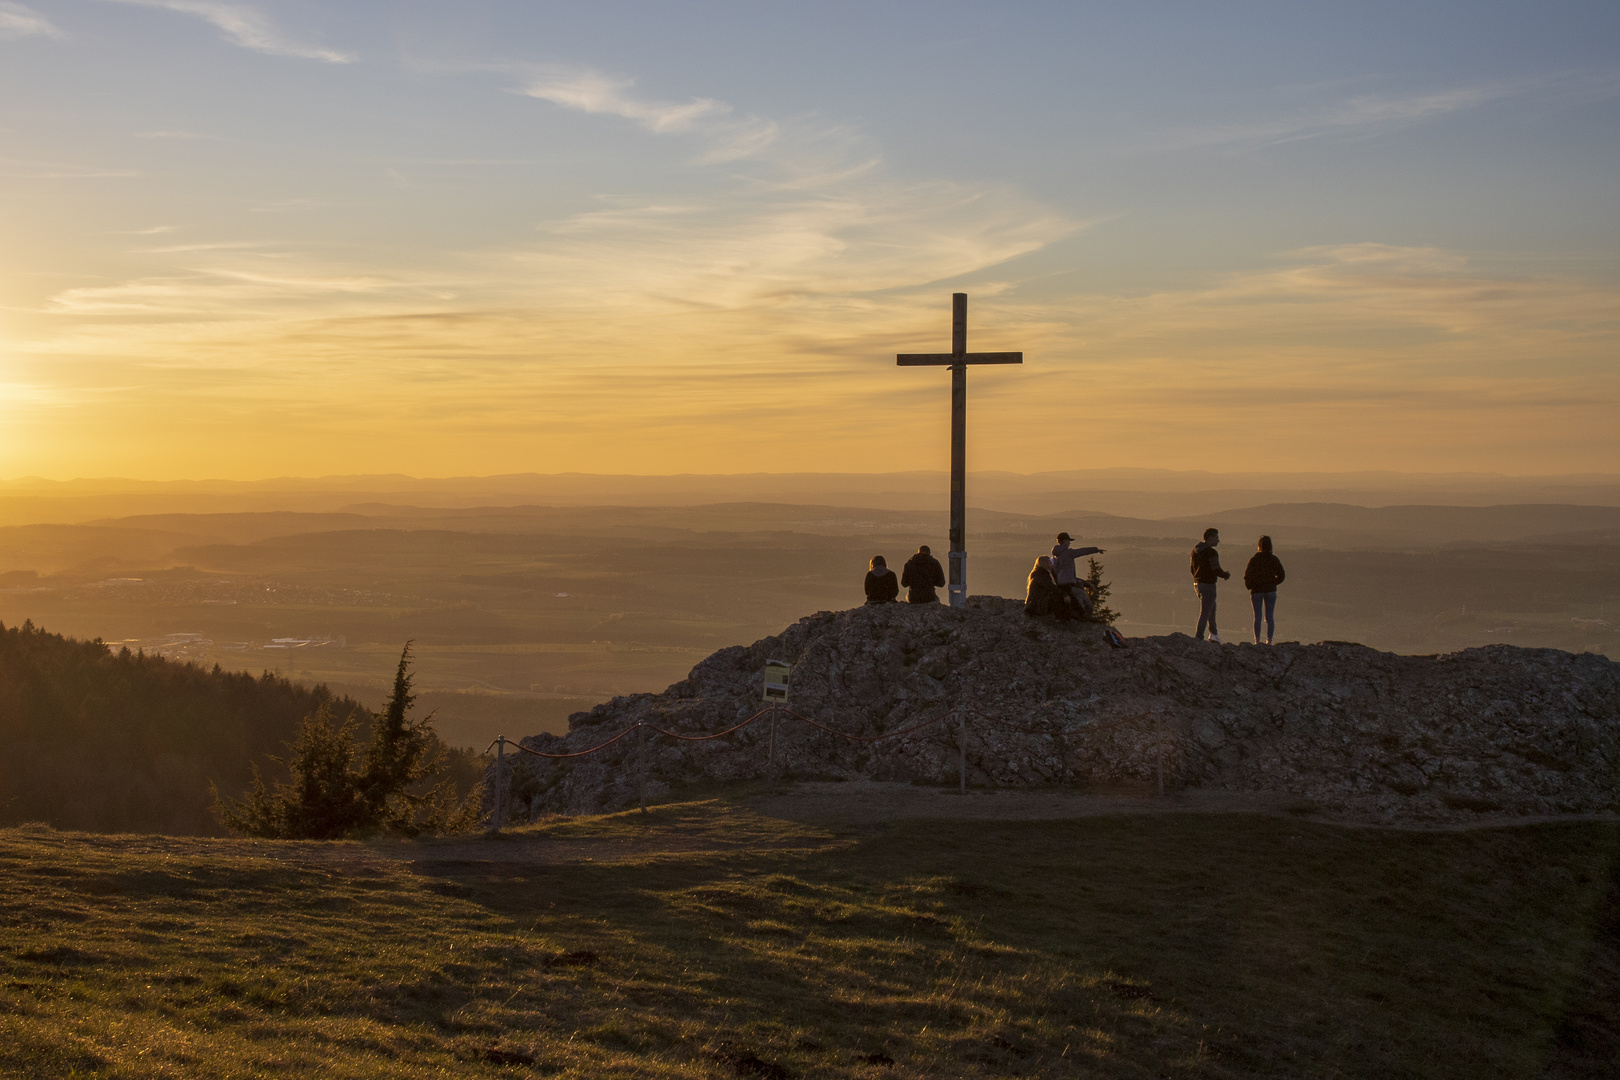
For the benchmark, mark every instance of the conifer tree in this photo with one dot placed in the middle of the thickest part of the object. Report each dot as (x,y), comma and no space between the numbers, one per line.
(320,801)
(326,796)
(1099,590)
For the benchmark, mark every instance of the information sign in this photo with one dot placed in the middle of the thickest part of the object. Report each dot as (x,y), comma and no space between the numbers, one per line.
(776,680)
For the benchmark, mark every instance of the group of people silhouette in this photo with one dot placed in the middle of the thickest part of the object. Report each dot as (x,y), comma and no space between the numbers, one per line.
(1056,589)
(921,575)
(1261,577)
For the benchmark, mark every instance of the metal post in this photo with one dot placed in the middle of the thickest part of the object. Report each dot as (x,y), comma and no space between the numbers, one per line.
(500,782)
(961,746)
(770,755)
(641,766)
(957,587)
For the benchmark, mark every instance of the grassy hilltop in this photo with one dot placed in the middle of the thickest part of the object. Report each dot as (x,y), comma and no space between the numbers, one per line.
(714,939)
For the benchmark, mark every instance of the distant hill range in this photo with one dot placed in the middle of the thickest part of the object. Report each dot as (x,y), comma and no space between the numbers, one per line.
(120,742)
(1149,493)
(155,541)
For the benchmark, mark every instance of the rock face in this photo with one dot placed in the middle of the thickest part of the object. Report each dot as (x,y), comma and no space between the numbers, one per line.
(1492,730)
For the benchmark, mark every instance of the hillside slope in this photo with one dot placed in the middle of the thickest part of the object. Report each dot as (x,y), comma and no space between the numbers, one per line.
(123,742)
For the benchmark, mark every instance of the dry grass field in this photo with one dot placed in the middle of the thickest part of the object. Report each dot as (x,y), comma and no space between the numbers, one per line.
(717,938)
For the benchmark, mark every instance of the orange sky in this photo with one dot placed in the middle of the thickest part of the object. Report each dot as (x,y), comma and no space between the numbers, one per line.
(236,249)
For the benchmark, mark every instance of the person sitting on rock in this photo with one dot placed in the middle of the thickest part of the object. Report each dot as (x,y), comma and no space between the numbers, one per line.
(1063,557)
(1042,596)
(1261,578)
(882,587)
(921,576)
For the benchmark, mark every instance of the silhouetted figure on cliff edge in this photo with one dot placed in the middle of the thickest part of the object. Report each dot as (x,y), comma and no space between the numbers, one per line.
(921,576)
(1262,576)
(1206,571)
(882,587)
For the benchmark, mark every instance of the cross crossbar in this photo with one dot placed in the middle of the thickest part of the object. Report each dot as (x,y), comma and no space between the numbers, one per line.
(957,360)
(951,359)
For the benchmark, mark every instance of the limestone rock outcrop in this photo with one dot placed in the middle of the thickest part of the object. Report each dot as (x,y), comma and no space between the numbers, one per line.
(1494,730)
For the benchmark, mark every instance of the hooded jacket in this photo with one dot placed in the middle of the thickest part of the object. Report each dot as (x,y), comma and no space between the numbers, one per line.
(921,576)
(1206,563)
(1264,572)
(881,586)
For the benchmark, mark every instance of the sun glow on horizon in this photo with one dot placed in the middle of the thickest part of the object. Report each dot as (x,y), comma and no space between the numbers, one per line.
(558,270)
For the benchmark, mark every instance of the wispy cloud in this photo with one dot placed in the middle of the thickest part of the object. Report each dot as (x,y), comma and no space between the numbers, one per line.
(170,135)
(245,26)
(593,92)
(20,20)
(1368,114)
(731,137)
(55,170)
(1363,114)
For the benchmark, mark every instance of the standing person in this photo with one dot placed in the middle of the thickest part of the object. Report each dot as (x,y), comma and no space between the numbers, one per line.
(881,585)
(921,576)
(1206,570)
(1063,557)
(1262,576)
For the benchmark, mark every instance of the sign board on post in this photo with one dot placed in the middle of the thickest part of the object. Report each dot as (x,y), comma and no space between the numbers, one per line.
(776,681)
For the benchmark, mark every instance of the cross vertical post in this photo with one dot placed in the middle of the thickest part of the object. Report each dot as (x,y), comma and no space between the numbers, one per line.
(957,360)
(956,590)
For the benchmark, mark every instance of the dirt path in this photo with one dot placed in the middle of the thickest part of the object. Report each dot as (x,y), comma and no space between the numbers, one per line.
(809,816)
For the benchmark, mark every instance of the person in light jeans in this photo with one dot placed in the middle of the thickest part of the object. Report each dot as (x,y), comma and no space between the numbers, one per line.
(1206,571)
(1262,576)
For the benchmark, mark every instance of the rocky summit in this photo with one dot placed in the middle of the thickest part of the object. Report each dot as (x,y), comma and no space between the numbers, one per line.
(1350,730)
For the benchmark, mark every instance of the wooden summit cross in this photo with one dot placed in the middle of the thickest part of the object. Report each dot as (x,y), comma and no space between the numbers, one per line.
(957,360)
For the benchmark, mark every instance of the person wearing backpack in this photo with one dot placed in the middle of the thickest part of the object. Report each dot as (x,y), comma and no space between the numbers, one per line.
(1206,571)
(921,575)
(1262,576)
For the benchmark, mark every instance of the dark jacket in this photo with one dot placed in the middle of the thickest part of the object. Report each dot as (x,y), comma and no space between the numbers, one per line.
(921,576)
(1206,563)
(1043,596)
(1264,573)
(881,586)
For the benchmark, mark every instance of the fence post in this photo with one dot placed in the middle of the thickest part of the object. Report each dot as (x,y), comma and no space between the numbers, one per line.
(770,754)
(961,746)
(500,783)
(641,763)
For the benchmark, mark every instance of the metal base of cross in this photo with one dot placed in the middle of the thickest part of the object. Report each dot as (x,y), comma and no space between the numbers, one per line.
(956,591)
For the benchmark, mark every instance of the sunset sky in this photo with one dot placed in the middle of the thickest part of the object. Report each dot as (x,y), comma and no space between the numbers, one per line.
(244,240)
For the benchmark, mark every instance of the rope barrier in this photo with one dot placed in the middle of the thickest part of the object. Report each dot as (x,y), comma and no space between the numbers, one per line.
(581,753)
(704,738)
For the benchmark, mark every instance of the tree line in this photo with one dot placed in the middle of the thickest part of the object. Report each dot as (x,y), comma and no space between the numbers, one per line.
(108,741)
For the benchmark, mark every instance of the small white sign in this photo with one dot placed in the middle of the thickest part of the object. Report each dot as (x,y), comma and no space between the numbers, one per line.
(776,680)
